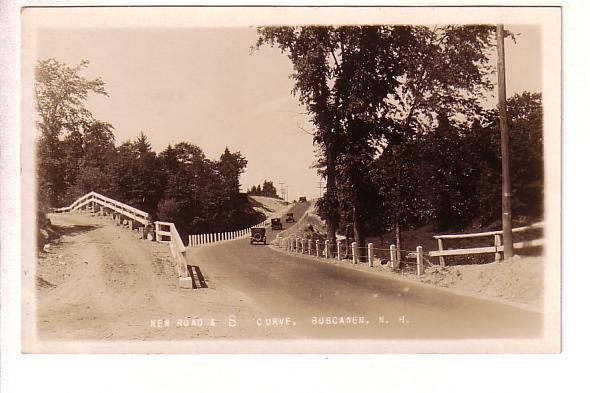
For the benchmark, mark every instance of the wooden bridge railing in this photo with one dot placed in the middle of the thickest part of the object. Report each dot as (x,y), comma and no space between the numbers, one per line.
(165,231)
(114,205)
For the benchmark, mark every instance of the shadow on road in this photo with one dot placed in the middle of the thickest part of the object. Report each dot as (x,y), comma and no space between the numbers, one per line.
(72,230)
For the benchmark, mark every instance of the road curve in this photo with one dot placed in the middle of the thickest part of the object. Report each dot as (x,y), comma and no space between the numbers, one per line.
(329,301)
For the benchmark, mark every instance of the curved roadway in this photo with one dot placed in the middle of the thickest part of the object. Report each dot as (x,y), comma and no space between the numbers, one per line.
(323,300)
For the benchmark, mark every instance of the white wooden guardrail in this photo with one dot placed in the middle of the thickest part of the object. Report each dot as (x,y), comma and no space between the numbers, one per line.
(497,248)
(116,206)
(165,231)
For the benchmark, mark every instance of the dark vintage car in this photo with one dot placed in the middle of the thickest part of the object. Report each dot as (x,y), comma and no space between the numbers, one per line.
(276,224)
(302,199)
(290,217)
(258,235)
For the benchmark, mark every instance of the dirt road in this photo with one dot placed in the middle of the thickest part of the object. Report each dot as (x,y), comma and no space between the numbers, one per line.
(103,283)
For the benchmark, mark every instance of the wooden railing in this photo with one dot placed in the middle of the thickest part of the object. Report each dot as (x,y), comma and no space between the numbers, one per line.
(165,231)
(497,248)
(116,206)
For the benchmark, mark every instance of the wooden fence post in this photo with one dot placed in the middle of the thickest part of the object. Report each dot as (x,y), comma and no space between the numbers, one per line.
(328,251)
(317,248)
(309,246)
(419,260)
(338,252)
(370,254)
(497,243)
(353,247)
(441,247)
(392,256)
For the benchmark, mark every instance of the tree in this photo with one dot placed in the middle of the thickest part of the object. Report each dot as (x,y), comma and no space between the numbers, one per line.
(60,98)
(230,166)
(138,174)
(310,48)
(371,88)
(94,166)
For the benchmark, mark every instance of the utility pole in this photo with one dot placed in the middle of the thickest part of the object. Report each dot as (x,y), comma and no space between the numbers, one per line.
(282,191)
(505,144)
(320,186)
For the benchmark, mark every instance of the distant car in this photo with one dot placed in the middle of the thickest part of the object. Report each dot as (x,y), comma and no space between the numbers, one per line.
(302,199)
(276,224)
(258,235)
(290,217)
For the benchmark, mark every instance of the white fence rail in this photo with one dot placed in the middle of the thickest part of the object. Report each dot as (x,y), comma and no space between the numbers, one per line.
(417,258)
(165,231)
(206,238)
(497,248)
(94,198)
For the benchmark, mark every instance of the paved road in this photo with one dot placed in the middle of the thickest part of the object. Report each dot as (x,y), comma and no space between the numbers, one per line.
(344,302)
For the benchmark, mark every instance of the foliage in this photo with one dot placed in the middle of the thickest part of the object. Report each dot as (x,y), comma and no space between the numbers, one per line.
(267,189)
(60,97)
(77,154)
(372,90)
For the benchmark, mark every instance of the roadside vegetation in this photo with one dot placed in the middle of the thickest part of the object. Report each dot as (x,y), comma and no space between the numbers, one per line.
(77,154)
(401,133)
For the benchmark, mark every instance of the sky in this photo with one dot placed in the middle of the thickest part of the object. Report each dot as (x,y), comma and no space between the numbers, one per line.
(205,86)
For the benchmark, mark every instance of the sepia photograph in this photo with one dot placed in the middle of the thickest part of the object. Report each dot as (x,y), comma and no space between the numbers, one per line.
(291,180)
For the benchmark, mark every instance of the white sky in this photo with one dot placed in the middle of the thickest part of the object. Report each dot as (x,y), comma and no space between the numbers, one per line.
(202,85)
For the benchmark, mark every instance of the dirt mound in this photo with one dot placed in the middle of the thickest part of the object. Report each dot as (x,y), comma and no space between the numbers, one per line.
(270,207)
(309,226)
(516,279)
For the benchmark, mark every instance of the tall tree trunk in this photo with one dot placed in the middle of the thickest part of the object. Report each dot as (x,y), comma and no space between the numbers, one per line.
(331,195)
(358,225)
(398,241)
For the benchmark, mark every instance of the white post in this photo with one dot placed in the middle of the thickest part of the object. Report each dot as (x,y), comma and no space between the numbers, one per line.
(353,246)
(317,248)
(158,236)
(419,261)
(392,255)
(441,247)
(497,243)
(328,253)
(338,252)
(370,254)
(309,246)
